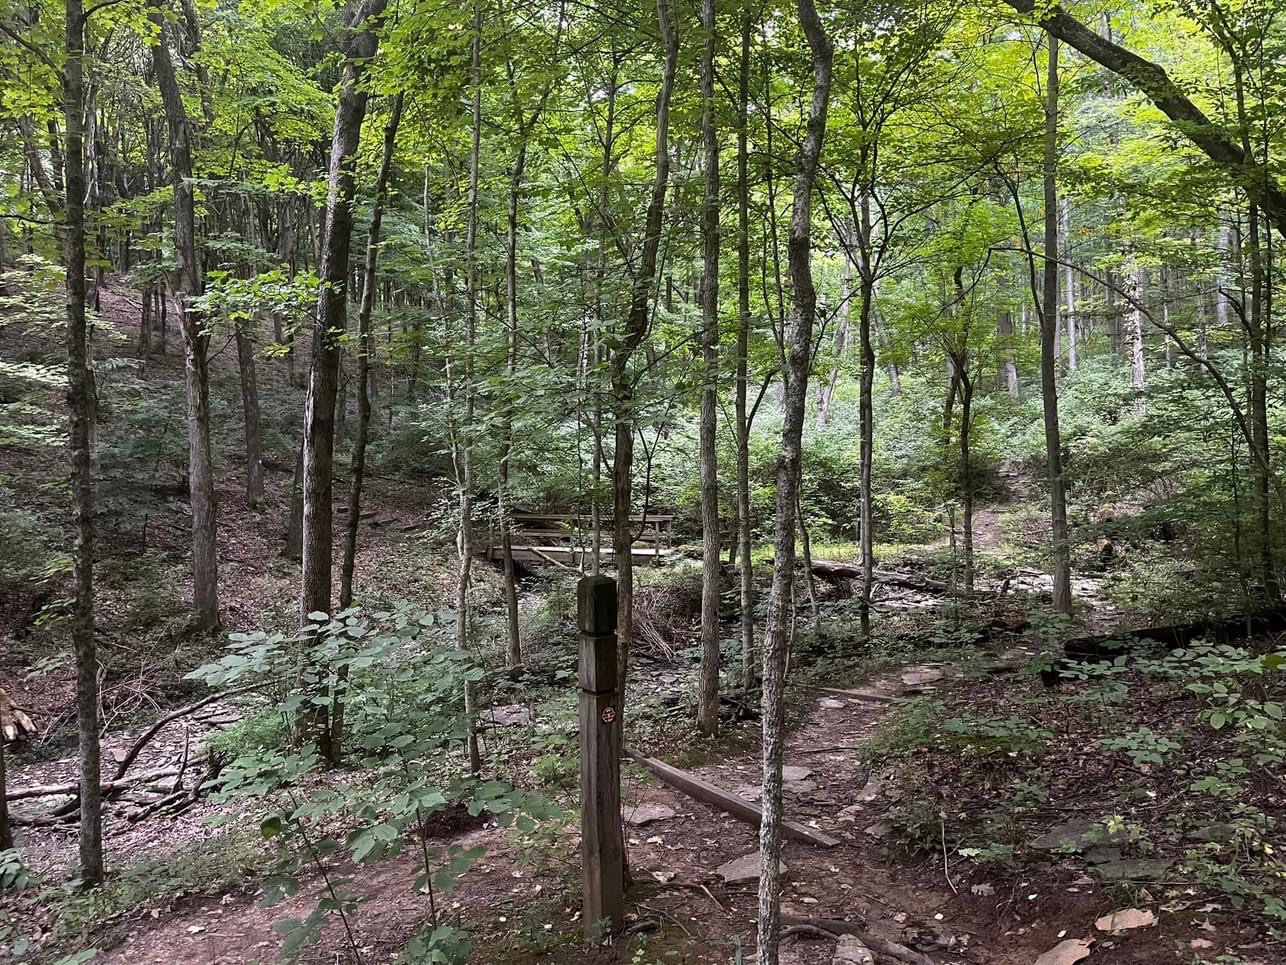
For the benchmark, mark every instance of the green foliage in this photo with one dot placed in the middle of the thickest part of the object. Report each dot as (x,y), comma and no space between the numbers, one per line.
(398,679)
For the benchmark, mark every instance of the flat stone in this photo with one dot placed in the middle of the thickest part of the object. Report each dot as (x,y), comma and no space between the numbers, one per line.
(1102,855)
(745,868)
(850,814)
(879,829)
(1133,869)
(830,703)
(1078,834)
(799,788)
(793,772)
(919,676)
(850,951)
(510,715)
(871,790)
(647,814)
(1218,833)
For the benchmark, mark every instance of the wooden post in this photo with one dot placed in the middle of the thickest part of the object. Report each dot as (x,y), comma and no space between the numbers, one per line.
(602,844)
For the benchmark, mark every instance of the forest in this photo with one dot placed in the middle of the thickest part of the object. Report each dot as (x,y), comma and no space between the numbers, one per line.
(642,481)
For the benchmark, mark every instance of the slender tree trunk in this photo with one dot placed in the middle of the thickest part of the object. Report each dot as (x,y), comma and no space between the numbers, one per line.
(295,525)
(205,550)
(1048,356)
(335,738)
(708,688)
(364,346)
(866,408)
(1008,368)
(1069,285)
(6,832)
(463,441)
(1138,372)
(636,326)
(966,472)
(743,351)
(359,46)
(780,607)
(80,455)
(250,412)
(826,390)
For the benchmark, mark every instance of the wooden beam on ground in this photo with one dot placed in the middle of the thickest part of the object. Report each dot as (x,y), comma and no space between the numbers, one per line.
(726,801)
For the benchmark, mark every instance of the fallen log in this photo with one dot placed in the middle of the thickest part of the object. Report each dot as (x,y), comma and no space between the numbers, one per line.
(881,946)
(169,718)
(726,801)
(1174,636)
(54,790)
(835,570)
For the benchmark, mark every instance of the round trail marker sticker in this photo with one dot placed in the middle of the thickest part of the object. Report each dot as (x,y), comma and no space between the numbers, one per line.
(609,714)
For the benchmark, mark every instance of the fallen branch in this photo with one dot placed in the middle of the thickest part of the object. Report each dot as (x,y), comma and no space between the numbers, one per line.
(834,928)
(53,790)
(169,718)
(726,801)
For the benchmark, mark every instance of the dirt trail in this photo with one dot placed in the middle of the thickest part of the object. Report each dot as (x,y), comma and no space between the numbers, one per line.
(679,898)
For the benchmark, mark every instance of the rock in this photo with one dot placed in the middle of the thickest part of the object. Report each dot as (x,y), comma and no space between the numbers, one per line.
(1102,855)
(1218,833)
(510,715)
(830,703)
(1078,834)
(983,890)
(1126,919)
(850,814)
(743,869)
(850,951)
(870,791)
(878,830)
(919,676)
(1065,953)
(648,813)
(791,773)
(1133,869)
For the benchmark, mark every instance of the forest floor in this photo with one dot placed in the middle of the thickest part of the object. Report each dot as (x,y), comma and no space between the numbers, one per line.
(981,817)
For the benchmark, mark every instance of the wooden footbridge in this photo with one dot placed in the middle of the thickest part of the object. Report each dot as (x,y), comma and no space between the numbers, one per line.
(568,539)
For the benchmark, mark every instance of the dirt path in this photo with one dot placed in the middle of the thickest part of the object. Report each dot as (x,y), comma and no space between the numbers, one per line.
(517,912)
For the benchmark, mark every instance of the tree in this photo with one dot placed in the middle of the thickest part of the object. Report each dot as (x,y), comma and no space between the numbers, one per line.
(708,693)
(799,359)
(80,454)
(359,44)
(635,330)
(196,340)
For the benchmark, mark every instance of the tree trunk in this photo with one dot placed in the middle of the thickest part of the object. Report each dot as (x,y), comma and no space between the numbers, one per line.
(866,407)
(364,345)
(966,472)
(1008,368)
(80,455)
(1138,374)
(708,687)
(799,350)
(1048,359)
(205,550)
(359,46)
(1070,285)
(6,832)
(250,411)
(461,446)
(636,326)
(743,351)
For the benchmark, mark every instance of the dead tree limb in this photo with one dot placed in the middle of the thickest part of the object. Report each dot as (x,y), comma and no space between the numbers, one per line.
(169,718)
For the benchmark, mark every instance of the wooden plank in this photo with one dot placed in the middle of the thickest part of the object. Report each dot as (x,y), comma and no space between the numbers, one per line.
(726,801)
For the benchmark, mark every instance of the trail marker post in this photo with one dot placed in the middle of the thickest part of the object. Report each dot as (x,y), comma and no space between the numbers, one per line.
(602,843)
